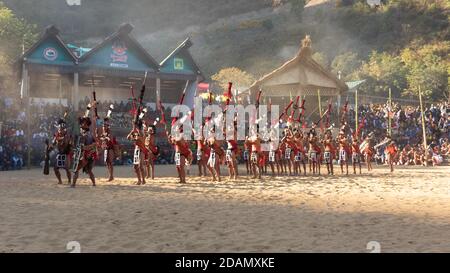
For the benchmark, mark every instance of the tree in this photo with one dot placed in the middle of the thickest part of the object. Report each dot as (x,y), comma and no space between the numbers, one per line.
(297,7)
(15,35)
(321,59)
(239,78)
(428,69)
(343,3)
(14,32)
(347,63)
(383,71)
(432,80)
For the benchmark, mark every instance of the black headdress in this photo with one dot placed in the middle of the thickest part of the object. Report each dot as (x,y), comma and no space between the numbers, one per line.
(61,124)
(85,120)
(107,119)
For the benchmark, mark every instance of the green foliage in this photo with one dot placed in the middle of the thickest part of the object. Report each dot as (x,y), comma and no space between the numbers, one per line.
(383,71)
(343,3)
(347,36)
(297,7)
(347,63)
(321,59)
(428,67)
(404,36)
(15,35)
(425,67)
(397,23)
(14,32)
(267,24)
(238,77)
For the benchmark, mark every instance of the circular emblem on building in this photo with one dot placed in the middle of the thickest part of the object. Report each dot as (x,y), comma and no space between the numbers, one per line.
(50,53)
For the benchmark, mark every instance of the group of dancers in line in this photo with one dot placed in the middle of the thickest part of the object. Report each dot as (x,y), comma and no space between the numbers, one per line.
(295,150)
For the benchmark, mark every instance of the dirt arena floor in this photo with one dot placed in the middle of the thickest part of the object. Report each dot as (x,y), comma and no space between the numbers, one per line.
(404,211)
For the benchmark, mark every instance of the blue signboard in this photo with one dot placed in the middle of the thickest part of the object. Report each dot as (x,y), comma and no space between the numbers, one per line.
(50,51)
(179,63)
(117,54)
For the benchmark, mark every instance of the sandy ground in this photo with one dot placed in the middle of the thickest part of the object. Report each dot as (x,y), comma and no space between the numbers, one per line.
(407,211)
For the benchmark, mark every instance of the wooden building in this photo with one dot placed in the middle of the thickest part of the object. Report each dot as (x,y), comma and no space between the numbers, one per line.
(52,71)
(300,76)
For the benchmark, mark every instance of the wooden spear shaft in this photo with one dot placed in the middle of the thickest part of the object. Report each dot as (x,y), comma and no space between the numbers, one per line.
(320,104)
(422,114)
(356,110)
(389,113)
(320,109)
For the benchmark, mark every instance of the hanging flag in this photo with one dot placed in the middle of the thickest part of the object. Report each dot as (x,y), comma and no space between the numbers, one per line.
(203,86)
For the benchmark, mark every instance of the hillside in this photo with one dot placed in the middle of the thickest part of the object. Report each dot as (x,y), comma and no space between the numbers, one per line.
(249,34)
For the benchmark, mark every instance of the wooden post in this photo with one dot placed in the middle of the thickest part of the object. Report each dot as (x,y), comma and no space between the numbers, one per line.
(76,90)
(339,99)
(60,94)
(422,114)
(28,115)
(320,104)
(356,110)
(320,109)
(389,113)
(158,92)
(28,132)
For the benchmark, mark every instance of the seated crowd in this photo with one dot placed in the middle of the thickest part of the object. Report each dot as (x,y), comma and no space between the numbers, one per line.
(406,128)
(373,118)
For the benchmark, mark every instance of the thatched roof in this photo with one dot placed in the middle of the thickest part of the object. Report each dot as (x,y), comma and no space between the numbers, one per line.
(304,60)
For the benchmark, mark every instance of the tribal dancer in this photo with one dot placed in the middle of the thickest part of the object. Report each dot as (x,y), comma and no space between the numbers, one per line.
(203,152)
(86,150)
(368,151)
(246,158)
(232,150)
(281,151)
(343,151)
(140,152)
(288,141)
(63,143)
(274,154)
(300,153)
(215,156)
(314,152)
(256,155)
(391,150)
(137,136)
(183,154)
(329,151)
(356,155)
(107,142)
(153,150)
(264,160)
